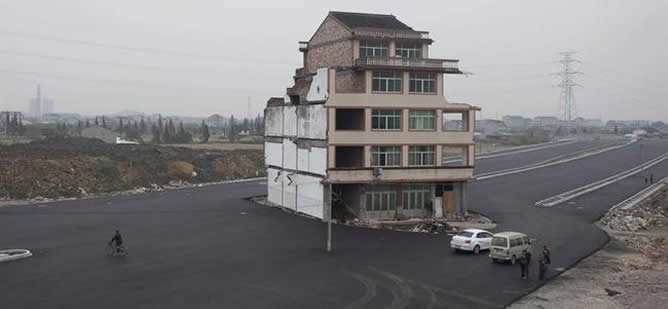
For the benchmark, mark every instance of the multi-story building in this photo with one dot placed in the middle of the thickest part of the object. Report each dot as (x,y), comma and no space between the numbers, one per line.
(368,120)
(516,122)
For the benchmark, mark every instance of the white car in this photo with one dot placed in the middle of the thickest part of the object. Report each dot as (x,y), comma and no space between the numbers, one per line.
(471,240)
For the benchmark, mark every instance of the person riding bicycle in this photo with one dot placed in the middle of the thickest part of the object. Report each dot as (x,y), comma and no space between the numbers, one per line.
(117,242)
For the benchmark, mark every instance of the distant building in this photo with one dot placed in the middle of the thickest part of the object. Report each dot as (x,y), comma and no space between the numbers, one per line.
(38,106)
(490,127)
(516,122)
(545,121)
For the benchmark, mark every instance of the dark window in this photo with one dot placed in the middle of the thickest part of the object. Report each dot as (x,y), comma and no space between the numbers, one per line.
(422,82)
(386,119)
(373,48)
(349,119)
(349,157)
(386,81)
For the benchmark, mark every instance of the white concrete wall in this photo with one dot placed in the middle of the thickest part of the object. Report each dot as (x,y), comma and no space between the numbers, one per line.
(273,154)
(273,121)
(290,120)
(274,186)
(310,196)
(313,121)
(318,91)
(312,160)
(289,154)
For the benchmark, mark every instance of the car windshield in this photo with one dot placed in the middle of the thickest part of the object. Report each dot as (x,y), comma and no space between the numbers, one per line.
(500,242)
(465,234)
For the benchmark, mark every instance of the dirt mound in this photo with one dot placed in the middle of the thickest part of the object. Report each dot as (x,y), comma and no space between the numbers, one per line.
(73,167)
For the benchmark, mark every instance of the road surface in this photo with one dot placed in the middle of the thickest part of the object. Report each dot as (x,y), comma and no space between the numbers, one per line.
(208,248)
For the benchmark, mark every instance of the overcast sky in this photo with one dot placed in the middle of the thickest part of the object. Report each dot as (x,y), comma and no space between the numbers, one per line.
(203,57)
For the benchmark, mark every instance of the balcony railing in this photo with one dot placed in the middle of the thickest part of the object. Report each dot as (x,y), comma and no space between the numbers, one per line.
(378,33)
(440,65)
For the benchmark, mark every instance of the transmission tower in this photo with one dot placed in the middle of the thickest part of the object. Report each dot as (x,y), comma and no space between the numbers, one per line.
(567,99)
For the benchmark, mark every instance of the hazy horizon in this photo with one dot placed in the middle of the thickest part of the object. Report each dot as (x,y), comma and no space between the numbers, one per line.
(187,59)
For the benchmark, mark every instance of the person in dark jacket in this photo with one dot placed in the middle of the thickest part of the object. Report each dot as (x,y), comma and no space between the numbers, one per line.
(542,266)
(547,260)
(117,241)
(525,257)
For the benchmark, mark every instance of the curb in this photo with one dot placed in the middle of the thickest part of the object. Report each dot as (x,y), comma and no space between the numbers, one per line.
(14,254)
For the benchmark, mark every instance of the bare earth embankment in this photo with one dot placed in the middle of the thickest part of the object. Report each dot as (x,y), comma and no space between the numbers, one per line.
(79,167)
(631,271)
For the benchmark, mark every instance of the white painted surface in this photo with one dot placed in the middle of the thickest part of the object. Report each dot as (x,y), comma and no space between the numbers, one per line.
(289,154)
(312,121)
(303,155)
(290,121)
(318,91)
(14,254)
(310,196)
(274,184)
(318,161)
(273,154)
(273,121)
(289,191)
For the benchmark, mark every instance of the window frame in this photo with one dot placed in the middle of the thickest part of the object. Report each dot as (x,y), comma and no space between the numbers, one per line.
(382,49)
(396,80)
(421,119)
(414,192)
(414,154)
(386,119)
(422,79)
(376,155)
(400,48)
(381,195)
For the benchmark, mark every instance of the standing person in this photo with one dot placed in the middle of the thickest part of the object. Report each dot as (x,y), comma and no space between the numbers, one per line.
(524,264)
(542,266)
(547,257)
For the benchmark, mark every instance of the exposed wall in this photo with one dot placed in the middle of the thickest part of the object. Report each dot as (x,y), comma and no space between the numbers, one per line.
(318,91)
(330,46)
(350,81)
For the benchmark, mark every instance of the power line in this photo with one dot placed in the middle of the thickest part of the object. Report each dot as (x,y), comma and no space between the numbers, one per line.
(567,98)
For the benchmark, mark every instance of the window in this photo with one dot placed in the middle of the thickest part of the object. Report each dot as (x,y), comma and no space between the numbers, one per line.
(381,198)
(349,156)
(421,120)
(349,119)
(455,155)
(422,82)
(416,196)
(373,49)
(455,121)
(386,81)
(409,50)
(421,155)
(500,242)
(465,234)
(385,156)
(386,119)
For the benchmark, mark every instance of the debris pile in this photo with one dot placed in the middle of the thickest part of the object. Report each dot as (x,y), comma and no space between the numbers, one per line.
(650,213)
(80,167)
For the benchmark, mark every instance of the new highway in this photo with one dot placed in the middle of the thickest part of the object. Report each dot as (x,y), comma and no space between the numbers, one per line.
(209,248)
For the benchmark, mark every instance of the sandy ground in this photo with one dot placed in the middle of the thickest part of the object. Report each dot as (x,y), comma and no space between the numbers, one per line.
(631,271)
(220,146)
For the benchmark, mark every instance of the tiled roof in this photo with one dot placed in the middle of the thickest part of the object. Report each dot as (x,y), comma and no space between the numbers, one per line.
(363,20)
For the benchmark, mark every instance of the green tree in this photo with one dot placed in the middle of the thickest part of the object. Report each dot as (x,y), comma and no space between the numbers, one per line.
(232,130)
(155,130)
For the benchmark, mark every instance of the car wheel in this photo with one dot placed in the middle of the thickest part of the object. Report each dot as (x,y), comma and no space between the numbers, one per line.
(513,259)
(476,249)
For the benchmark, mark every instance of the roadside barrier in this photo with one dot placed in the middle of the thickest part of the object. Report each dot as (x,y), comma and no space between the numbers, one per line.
(14,254)
(642,195)
(569,195)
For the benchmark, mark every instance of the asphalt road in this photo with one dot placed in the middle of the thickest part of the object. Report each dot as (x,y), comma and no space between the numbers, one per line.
(208,248)
(538,155)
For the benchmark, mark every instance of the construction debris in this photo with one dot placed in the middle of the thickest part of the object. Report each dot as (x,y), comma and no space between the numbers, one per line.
(59,168)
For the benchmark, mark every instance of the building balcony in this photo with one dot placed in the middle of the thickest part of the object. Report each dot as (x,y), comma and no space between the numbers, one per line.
(450,66)
(375,33)
(400,174)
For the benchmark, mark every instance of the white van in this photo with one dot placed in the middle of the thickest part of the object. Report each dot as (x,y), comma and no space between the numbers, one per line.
(508,246)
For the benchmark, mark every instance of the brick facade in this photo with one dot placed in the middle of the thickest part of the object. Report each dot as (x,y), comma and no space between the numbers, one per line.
(330,46)
(349,81)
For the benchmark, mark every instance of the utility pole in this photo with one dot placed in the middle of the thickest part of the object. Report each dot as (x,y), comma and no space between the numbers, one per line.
(328,211)
(567,99)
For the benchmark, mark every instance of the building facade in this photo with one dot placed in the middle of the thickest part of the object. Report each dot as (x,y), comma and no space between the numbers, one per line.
(367,125)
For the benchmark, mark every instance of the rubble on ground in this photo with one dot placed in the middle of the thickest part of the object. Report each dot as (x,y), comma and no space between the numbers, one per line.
(60,168)
(650,213)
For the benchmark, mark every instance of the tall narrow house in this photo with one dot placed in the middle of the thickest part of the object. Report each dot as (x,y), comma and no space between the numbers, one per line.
(367,116)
